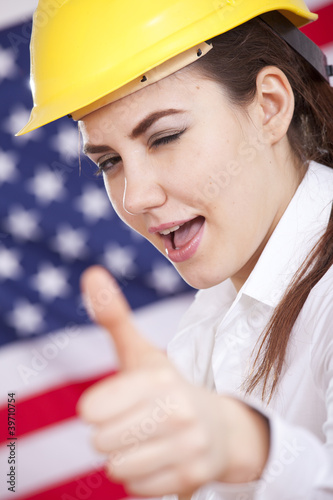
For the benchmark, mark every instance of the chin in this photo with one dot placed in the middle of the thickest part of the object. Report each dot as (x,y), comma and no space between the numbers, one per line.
(201,280)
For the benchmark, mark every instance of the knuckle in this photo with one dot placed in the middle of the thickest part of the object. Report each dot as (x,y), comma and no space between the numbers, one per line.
(97,440)
(194,474)
(185,440)
(165,377)
(103,440)
(200,442)
(186,477)
(189,478)
(184,417)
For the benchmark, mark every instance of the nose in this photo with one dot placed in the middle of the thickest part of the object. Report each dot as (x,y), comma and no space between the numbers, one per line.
(142,193)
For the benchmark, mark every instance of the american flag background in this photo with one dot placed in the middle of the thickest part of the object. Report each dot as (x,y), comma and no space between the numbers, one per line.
(55,221)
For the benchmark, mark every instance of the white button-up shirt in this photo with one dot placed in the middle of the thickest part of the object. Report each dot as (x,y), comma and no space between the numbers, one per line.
(217,336)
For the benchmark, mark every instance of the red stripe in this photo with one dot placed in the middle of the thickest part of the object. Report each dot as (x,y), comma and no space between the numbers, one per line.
(321,31)
(93,486)
(46,409)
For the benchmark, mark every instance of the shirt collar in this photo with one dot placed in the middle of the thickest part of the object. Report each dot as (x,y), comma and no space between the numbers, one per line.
(298,230)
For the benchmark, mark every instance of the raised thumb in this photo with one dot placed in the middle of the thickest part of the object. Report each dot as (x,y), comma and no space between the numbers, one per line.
(108,307)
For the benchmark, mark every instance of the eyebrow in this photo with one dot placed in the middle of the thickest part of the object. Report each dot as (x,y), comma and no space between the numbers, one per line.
(140,129)
(147,122)
(92,148)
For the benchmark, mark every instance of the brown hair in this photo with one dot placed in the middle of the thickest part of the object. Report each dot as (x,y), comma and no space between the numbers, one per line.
(235,62)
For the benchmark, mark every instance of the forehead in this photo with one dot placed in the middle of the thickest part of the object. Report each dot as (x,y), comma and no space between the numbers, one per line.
(184,90)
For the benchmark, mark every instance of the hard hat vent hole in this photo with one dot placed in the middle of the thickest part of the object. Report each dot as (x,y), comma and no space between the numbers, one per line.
(144,79)
(199,53)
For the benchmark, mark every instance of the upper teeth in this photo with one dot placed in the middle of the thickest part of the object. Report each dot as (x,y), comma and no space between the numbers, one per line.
(171,230)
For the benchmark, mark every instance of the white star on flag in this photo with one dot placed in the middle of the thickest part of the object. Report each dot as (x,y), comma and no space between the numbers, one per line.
(8,170)
(120,260)
(164,279)
(8,68)
(17,119)
(46,185)
(66,142)
(26,318)
(93,204)
(70,243)
(9,264)
(22,224)
(51,282)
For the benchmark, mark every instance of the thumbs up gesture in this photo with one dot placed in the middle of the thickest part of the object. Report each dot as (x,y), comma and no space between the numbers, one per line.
(162,435)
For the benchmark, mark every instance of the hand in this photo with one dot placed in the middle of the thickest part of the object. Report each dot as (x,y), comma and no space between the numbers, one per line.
(162,434)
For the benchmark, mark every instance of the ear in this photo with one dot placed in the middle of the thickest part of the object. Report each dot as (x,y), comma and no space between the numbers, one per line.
(276,100)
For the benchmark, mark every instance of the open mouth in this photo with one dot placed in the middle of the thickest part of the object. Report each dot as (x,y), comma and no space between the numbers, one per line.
(182,241)
(186,232)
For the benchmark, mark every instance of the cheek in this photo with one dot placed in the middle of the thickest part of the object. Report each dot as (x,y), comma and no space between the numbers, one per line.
(213,168)
(246,211)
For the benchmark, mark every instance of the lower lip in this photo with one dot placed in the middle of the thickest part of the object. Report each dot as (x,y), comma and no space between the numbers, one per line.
(187,251)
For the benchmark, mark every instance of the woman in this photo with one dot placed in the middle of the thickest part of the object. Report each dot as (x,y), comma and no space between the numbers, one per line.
(211,124)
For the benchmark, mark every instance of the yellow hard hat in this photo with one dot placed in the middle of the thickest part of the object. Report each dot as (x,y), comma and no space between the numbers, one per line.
(84,51)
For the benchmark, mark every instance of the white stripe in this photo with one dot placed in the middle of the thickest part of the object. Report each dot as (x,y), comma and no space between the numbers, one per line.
(328,49)
(317,4)
(16,12)
(32,366)
(52,455)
